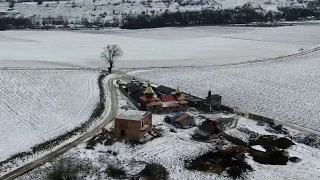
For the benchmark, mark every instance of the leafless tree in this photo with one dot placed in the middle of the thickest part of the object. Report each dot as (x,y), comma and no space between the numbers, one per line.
(111,53)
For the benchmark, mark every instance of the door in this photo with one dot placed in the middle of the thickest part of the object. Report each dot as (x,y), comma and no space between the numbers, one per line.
(123,133)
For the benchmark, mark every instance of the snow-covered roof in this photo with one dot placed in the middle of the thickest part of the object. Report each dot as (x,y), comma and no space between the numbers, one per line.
(259,148)
(132,115)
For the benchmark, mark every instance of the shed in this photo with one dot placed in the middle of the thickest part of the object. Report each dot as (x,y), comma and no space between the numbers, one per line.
(181,120)
(207,130)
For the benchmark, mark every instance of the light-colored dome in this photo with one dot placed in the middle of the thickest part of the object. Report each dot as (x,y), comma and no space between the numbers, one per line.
(149,89)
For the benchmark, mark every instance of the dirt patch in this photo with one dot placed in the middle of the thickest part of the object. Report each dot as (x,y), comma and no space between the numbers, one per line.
(272,141)
(105,137)
(294,159)
(272,157)
(231,160)
(274,146)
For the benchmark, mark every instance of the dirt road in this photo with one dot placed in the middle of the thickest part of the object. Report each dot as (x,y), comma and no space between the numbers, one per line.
(30,166)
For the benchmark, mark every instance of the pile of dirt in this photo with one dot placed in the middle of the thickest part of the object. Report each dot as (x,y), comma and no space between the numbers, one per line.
(231,160)
(275,150)
(105,137)
(272,156)
(269,141)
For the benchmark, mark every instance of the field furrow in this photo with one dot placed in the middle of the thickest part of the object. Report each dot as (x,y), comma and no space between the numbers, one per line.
(39,105)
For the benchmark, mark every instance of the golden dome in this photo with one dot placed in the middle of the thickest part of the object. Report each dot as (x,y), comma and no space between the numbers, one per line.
(178,91)
(149,89)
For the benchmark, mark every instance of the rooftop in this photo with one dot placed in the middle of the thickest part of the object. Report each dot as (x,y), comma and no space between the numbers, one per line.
(132,115)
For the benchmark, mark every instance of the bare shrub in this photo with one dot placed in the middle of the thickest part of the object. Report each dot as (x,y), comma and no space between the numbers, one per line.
(115,172)
(69,169)
(154,171)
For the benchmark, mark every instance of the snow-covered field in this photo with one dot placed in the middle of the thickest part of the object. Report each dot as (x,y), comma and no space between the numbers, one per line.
(75,10)
(286,90)
(39,105)
(191,46)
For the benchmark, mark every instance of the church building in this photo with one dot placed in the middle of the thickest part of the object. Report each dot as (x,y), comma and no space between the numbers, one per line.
(158,103)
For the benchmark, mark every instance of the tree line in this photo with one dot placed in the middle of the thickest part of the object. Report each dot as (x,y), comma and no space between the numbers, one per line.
(14,23)
(239,15)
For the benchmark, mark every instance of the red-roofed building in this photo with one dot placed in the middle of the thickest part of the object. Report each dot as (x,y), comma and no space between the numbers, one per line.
(165,103)
(168,98)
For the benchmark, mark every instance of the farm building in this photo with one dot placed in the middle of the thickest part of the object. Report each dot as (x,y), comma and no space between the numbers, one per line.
(132,124)
(207,130)
(181,120)
(212,102)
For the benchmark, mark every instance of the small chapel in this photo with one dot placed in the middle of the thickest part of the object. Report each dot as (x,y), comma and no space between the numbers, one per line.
(163,103)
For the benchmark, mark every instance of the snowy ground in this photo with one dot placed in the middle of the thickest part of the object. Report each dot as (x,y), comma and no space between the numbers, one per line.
(285,90)
(39,105)
(192,46)
(308,168)
(173,148)
(75,10)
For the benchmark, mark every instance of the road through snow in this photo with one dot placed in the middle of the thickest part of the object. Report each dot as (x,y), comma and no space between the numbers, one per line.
(28,167)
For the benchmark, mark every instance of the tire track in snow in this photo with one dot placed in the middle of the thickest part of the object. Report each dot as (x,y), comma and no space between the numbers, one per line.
(90,84)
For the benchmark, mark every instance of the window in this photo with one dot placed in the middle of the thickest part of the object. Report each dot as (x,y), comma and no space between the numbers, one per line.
(142,123)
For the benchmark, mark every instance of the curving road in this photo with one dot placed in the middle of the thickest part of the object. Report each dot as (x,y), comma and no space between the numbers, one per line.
(106,120)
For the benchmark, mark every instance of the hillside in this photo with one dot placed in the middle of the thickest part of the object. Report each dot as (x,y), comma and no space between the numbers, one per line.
(106,11)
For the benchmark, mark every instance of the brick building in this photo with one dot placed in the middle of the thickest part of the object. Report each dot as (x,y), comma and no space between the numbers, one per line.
(133,124)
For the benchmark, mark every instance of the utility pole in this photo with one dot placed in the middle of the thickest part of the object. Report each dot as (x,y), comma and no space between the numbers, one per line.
(128,94)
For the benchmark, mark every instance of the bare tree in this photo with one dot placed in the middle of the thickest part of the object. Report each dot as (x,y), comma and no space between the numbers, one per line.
(111,53)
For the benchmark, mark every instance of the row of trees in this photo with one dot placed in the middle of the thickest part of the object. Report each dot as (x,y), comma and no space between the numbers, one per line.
(14,23)
(50,22)
(238,15)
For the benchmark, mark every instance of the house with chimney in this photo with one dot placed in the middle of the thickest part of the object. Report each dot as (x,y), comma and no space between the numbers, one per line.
(207,130)
(212,101)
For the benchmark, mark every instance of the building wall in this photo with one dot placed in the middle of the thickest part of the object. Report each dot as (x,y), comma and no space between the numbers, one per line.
(136,104)
(155,109)
(132,127)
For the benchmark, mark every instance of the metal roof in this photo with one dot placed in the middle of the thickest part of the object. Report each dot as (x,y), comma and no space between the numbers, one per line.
(132,115)
(202,133)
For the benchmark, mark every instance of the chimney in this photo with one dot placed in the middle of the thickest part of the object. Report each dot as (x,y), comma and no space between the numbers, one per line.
(209,97)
